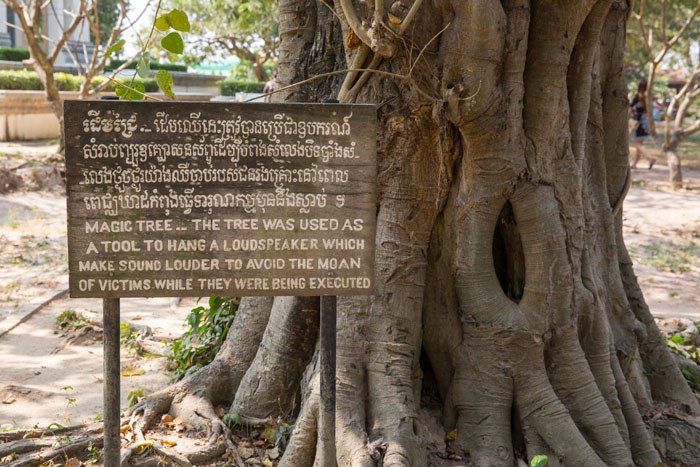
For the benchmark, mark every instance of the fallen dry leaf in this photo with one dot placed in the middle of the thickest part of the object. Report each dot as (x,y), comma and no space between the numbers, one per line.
(169,443)
(9,399)
(272,453)
(394,19)
(73,462)
(245,452)
(143,446)
(132,370)
(166,419)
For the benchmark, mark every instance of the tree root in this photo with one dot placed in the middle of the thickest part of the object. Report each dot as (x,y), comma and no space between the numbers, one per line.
(78,448)
(152,447)
(37,433)
(40,447)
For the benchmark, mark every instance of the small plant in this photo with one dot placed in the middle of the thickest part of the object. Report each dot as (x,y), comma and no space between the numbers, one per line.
(69,320)
(692,378)
(207,331)
(539,461)
(94,452)
(685,348)
(135,395)
(232,420)
(128,337)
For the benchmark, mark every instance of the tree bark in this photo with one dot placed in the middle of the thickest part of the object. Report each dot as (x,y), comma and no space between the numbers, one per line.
(675,175)
(503,164)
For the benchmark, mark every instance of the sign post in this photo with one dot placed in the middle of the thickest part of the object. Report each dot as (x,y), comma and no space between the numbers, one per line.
(195,199)
(111,386)
(326,424)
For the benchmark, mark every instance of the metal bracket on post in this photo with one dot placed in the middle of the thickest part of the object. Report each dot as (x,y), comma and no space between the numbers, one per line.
(326,426)
(111,409)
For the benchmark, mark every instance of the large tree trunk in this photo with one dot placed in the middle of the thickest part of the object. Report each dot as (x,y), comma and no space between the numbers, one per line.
(502,170)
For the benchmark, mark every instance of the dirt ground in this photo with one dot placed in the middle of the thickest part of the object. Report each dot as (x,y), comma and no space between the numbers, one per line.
(47,376)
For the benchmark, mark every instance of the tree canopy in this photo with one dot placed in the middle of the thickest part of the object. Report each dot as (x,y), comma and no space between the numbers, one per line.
(246,29)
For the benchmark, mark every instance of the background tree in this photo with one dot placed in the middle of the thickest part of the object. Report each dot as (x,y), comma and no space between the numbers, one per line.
(44,53)
(246,29)
(503,165)
(107,17)
(666,34)
(167,28)
(682,119)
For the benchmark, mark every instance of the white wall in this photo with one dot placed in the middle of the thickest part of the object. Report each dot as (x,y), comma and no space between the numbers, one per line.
(4,36)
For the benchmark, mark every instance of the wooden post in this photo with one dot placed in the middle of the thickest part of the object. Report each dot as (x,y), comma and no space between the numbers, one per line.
(326,424)
(111,409)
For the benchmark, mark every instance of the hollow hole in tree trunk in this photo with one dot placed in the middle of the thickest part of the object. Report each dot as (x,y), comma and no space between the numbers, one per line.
(430,393)
(519,446)
(508,257)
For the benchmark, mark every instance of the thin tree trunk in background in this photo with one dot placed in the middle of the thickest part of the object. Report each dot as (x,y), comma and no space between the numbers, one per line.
(674,169)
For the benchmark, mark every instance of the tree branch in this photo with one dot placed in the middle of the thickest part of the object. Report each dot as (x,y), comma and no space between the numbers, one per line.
(639,16)
(676,37)
(68,32)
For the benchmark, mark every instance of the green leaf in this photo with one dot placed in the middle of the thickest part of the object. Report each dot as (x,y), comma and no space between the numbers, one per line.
(232,420)
(130,91)
(116,47)
(162,23)
(539,461)
(143,67)
(678,339)
(173,43)
(178,20)
(54,426)
(165,82)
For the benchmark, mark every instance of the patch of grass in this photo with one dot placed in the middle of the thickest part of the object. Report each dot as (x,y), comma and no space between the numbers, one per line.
(669,257)
(12,219)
